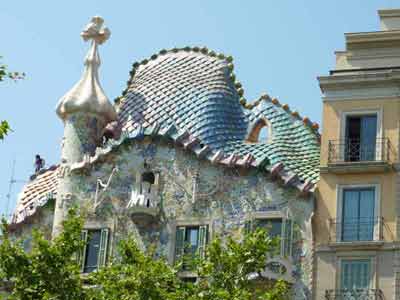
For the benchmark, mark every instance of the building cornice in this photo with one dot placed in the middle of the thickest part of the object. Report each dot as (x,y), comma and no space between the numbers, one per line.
(354,39)
(359,79)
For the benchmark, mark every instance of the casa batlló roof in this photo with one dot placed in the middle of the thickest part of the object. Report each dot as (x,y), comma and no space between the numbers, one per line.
(191,96)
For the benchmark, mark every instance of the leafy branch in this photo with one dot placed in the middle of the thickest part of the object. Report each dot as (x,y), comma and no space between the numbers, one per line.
(6,74)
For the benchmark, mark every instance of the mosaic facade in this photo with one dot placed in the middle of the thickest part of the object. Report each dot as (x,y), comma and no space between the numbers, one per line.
(180,148)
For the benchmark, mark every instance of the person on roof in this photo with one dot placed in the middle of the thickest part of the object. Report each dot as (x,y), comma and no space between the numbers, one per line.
(39,163)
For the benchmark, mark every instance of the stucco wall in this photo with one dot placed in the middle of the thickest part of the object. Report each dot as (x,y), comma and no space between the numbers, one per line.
(332,110)
(328,264)
(327,196)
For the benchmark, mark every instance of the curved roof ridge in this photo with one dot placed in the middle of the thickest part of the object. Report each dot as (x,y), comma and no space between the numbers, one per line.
(228,59)
(314,126)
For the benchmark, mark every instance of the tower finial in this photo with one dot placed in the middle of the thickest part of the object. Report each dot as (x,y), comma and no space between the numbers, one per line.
(95,31)
(87,96)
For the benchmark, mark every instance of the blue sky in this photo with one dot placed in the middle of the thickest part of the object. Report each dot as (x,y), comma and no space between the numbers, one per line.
(279,47)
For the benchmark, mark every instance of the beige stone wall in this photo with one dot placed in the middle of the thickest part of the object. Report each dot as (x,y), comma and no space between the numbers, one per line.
(328,263)
(332,124)
(327,258)
(327,195)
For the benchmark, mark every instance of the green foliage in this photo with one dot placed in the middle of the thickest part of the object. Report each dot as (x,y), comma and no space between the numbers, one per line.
(4,129)
(136,276)
(49,270)
(5,74)
(230,268)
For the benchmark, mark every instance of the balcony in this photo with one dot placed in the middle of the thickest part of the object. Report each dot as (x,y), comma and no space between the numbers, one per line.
(354,294)
(358,232)
(352,155)
(144,200)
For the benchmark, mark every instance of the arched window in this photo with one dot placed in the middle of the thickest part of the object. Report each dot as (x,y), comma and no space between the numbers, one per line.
(260,132)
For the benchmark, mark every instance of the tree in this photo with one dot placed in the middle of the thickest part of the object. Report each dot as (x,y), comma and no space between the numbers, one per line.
(232,268)
(6,74)
(50,270)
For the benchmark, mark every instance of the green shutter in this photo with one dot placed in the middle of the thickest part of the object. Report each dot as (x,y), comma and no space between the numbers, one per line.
(82,253)
(202,242)
(101,261)
(180,243)
(247,226)
(287,238)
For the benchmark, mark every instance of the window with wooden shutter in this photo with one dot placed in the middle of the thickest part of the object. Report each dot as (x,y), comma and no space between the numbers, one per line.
(202,241)
(247,226)
(103,247)
(94,252)
(287,238)
(190,241)
(276,228)
(180,243)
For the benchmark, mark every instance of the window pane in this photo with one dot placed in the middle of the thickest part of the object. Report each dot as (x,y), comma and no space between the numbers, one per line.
(360,142)
(352,145)
(92,251)
(191,245)
(273,226)
(356,274)
(358,219)
(350,215)
(367,221)
(368,137)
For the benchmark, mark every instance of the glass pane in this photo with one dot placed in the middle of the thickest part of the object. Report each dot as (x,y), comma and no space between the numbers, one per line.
(356,274)
(191,239)
(191,246)
(352,144)
(92,251)
(367,221)
(358,219)
(350,215)
(368,138)
(273,226)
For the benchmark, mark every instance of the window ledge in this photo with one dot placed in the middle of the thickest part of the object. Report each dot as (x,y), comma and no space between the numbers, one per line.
(357,167)
(353,245)
(187,274)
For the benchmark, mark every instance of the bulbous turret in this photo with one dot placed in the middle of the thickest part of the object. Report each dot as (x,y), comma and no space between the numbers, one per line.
(85,109)
(87,95)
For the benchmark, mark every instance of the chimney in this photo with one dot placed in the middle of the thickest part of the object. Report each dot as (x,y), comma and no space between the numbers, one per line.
(389,19)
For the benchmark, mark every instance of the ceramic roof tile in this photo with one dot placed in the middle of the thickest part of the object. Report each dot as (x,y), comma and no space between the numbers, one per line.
(36,193)
(189,91)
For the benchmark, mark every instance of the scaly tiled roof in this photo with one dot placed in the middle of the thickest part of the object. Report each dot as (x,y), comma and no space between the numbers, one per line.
(36,194)
(194,90)
(190,95)
(189,90)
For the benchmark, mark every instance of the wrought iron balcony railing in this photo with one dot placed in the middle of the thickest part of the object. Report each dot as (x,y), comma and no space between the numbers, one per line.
(354,150)
(354,294)
(356,229)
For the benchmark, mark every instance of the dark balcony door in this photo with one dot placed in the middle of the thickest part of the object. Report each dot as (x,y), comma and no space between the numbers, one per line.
(360,142)
(358,218)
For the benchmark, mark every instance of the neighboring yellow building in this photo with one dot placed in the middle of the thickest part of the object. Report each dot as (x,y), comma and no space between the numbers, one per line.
(357,253)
